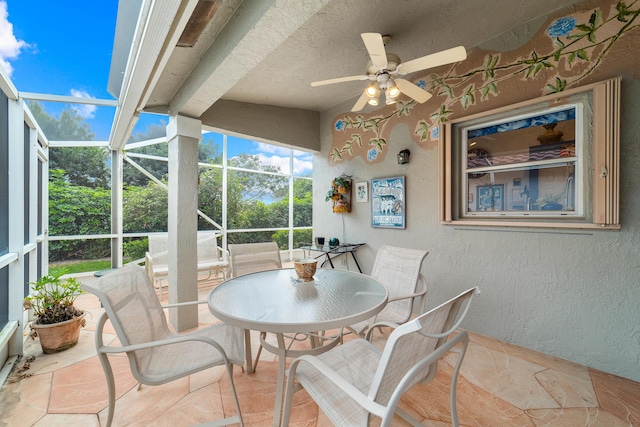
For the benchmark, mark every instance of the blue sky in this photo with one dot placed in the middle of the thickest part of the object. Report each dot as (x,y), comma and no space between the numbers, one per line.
(63,47)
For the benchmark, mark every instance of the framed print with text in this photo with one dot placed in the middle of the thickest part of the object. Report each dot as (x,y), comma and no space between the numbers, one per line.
(388,202)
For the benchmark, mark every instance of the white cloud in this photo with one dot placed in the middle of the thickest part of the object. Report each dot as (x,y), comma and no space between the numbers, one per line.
(300,167)
(302,162)
(83,110)
(281,162)
(10,47)
(274,149)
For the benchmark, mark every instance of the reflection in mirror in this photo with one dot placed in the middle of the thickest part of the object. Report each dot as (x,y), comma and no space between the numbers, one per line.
(523,166)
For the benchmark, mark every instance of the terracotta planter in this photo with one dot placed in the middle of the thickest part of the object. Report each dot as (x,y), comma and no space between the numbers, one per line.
(61,336)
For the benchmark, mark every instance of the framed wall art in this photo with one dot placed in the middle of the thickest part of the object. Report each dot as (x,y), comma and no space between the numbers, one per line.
(362,191)
(388,202)
(490,197)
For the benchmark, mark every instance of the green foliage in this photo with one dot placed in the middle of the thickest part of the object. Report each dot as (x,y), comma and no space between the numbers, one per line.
(135,248)
(80,201)
(300,238)
(257,186)
(85,166)
(53,297)
(339,186)
(144,209)
(250,237)
(210,197)
(77,210)
(207,153)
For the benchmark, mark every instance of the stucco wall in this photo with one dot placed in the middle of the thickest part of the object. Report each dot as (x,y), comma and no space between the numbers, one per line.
(572,294)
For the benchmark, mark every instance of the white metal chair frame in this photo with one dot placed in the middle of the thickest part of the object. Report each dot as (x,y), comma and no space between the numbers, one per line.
(377,391)
(167,338)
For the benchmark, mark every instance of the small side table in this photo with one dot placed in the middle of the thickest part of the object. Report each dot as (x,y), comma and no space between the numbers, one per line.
(331,252)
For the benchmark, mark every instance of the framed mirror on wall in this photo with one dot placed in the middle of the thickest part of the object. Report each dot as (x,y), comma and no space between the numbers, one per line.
(536,163)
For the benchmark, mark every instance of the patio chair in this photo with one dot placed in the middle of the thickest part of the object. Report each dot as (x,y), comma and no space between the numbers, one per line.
(253,257)
(355,382)
(156,354)
(211,258)
(247,258)
(399,270)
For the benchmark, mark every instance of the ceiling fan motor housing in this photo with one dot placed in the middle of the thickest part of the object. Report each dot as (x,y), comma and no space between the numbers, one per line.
(393,61)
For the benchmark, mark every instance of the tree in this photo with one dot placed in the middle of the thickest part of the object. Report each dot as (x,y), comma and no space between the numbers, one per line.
(77,210)
(207,153)
(84,166)
(144,209)
(258,186)
(210,197)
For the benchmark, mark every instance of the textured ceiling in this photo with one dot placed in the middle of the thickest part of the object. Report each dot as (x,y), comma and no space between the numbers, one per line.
(282,46)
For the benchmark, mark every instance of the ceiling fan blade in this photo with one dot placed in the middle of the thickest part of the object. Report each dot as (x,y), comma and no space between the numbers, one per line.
(448,56)
(375,46)
(338,80)
(361,102)
(412,90)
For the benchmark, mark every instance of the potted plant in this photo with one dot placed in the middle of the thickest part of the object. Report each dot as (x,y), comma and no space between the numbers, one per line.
(57,321)
(550,202)
(340,193)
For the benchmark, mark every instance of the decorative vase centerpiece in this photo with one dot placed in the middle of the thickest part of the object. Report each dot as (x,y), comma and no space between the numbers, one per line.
(305,268)
(551,136)
(340,194)
(57,321)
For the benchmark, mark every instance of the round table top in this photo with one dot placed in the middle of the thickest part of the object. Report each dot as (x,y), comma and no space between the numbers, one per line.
(274,301)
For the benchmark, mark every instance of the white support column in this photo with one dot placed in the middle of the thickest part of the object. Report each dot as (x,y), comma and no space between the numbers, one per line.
(183,135)
(17,218)
(116,208)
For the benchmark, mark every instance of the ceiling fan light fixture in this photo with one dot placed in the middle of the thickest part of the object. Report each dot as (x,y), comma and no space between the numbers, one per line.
(392,90)
(373,101)
(390,101)
(372,91)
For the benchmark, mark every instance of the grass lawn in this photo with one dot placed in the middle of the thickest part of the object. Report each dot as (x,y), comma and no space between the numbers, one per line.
(83,266)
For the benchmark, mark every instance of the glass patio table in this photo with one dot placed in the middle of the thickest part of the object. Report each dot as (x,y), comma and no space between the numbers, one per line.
(276,301)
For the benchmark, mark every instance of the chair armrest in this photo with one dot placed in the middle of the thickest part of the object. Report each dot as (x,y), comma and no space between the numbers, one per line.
(340,382)
(148,264)
(408,296)
(160,343)
(420,295)
(224,254)
(378,325)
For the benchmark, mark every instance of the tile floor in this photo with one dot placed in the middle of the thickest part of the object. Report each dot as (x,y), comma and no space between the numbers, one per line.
(500,385)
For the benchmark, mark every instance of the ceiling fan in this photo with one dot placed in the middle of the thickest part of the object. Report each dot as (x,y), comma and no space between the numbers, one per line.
(385,71)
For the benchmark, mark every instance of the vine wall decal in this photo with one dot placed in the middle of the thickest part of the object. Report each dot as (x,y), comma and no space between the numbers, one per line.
(569,51)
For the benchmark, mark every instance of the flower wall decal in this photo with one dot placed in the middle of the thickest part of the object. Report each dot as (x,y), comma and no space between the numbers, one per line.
(575,48)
